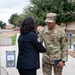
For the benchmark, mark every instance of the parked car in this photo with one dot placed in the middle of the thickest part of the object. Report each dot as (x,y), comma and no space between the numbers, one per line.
(16,29)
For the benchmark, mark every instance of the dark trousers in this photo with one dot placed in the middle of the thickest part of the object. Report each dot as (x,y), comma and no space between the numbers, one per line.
(27,72)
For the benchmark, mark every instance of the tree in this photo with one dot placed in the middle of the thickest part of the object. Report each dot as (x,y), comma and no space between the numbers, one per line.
(16,19)
(39,8)
(19,20)
(2,25)
(13,18)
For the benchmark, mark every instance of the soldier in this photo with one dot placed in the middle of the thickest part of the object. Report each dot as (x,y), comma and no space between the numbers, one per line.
(54,39)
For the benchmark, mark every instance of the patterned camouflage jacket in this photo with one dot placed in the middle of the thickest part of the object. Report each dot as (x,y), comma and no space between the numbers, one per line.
(56,44)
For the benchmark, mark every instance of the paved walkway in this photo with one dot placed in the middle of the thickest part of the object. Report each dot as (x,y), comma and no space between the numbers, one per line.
(69,69)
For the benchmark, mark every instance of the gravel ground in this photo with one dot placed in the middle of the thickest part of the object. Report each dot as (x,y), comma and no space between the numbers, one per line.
(72,53)
(7,34)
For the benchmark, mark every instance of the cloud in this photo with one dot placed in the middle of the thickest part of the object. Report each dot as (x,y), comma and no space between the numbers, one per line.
(13,3)
(9,7)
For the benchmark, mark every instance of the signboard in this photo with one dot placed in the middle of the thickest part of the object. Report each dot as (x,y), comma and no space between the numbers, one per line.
(10,58)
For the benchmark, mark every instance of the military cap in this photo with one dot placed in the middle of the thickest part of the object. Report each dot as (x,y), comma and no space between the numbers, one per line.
(50,17)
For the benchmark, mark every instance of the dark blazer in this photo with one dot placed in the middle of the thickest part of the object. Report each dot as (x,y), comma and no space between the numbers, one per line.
(29,48)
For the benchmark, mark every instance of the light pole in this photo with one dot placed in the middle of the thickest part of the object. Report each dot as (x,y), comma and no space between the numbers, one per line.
(70,40)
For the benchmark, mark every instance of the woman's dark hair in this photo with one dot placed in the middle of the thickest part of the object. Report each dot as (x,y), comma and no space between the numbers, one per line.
(27,25)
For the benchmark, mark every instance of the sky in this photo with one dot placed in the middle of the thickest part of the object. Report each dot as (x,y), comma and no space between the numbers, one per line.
(9,7)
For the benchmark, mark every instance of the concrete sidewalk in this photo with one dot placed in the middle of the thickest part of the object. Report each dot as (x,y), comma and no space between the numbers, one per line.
(69,69)
(70,66)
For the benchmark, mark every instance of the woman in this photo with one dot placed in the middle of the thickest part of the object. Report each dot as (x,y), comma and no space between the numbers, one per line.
(29,48)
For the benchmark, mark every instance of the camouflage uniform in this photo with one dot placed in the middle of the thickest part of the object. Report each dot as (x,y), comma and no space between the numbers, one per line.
(56,45)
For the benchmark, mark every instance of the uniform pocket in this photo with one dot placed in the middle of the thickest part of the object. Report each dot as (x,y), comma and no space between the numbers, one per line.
(45,58)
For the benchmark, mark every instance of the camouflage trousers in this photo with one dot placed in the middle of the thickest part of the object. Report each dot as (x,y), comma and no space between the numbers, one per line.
(47,69)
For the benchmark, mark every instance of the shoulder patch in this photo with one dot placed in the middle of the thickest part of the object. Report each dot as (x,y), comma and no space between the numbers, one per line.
(38,39)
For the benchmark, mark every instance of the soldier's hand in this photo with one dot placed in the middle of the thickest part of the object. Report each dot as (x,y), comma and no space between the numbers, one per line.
(60,64)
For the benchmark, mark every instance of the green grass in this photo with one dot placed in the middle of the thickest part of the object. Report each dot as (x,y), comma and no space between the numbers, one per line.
(73,40)
(13,40)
